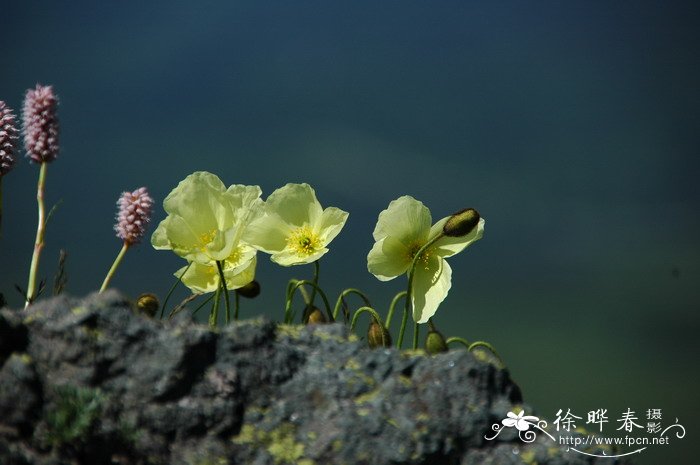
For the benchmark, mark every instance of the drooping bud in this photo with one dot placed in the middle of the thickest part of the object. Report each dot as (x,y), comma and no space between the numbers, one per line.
(250,290)
(8,139)
(134,215)
(40,124)
(435,342)
(316,317)
(461,223)
(378,335)
(148,304)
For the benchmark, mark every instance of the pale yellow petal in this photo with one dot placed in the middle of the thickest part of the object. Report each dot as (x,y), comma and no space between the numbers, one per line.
(431,283)
(388,259)
(406,219)
(330,223)
(295,204)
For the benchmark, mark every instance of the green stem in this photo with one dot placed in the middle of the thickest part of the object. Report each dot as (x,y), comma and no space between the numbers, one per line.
(296,285)
(459,340)
(409,289)
(416,329)
(346,292)
(172,289)
(214,315)
(40,231)
(362,310)
(222,283)
(317,268)
(113,269)
(392,307)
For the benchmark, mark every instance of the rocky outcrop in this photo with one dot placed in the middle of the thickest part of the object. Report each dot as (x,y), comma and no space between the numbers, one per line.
(92,382)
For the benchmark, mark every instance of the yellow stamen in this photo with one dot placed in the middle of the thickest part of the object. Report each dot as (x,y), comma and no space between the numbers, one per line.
(304,242)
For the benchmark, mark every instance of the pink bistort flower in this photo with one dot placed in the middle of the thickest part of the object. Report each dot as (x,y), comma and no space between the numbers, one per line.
(134,215)
(40,124)
(8,139)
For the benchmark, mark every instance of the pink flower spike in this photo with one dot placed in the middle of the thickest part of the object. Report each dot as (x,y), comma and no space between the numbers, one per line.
(40,124)
(134,215)
(8,139)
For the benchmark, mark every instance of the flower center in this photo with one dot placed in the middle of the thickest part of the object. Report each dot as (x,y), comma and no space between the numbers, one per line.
(303,241)
(424,257)
(206,238)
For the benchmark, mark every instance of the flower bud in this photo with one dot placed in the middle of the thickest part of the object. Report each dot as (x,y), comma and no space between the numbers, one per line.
(148,304)
(40,124)
(435,343)
(378,335)
(316,317)
(134,215)
(8,139)
(461,223)
(250,290)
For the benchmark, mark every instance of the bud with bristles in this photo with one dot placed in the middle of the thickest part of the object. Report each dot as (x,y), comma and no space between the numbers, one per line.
(148,304)
(435,342)
(8,139)
(378,335)
(40,124)
(134,215)
(250,290)
(461,223)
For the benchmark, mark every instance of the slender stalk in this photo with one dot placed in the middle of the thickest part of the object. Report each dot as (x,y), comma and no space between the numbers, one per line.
(206,301)
(392,307)
(416,330)
(346,292)
(113,269)
(222,285)
(362,310)
(290,295)
(39,241)
(459,340)
(317,268)
(214,315)
(172,289)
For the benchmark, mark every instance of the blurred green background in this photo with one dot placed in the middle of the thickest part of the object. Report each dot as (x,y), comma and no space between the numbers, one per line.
(573,127)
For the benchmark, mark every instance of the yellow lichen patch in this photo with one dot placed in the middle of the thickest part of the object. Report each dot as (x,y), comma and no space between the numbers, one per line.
(280,443)
(367,397)
(78,310)
(291,331)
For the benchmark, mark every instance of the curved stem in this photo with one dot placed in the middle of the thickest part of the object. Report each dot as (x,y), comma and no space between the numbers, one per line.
(317,269)
(297,285)
(179,307)
(416,330)
(346,292)
(40,231)
(222,284)
(362,310)
(459,340)
(409,289)
(476,344)
(172,289)
(392,306)
(113,269)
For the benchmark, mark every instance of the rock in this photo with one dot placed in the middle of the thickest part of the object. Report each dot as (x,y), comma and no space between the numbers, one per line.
(91,381)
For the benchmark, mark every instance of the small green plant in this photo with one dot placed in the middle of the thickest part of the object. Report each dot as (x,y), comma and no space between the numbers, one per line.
(74,414)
